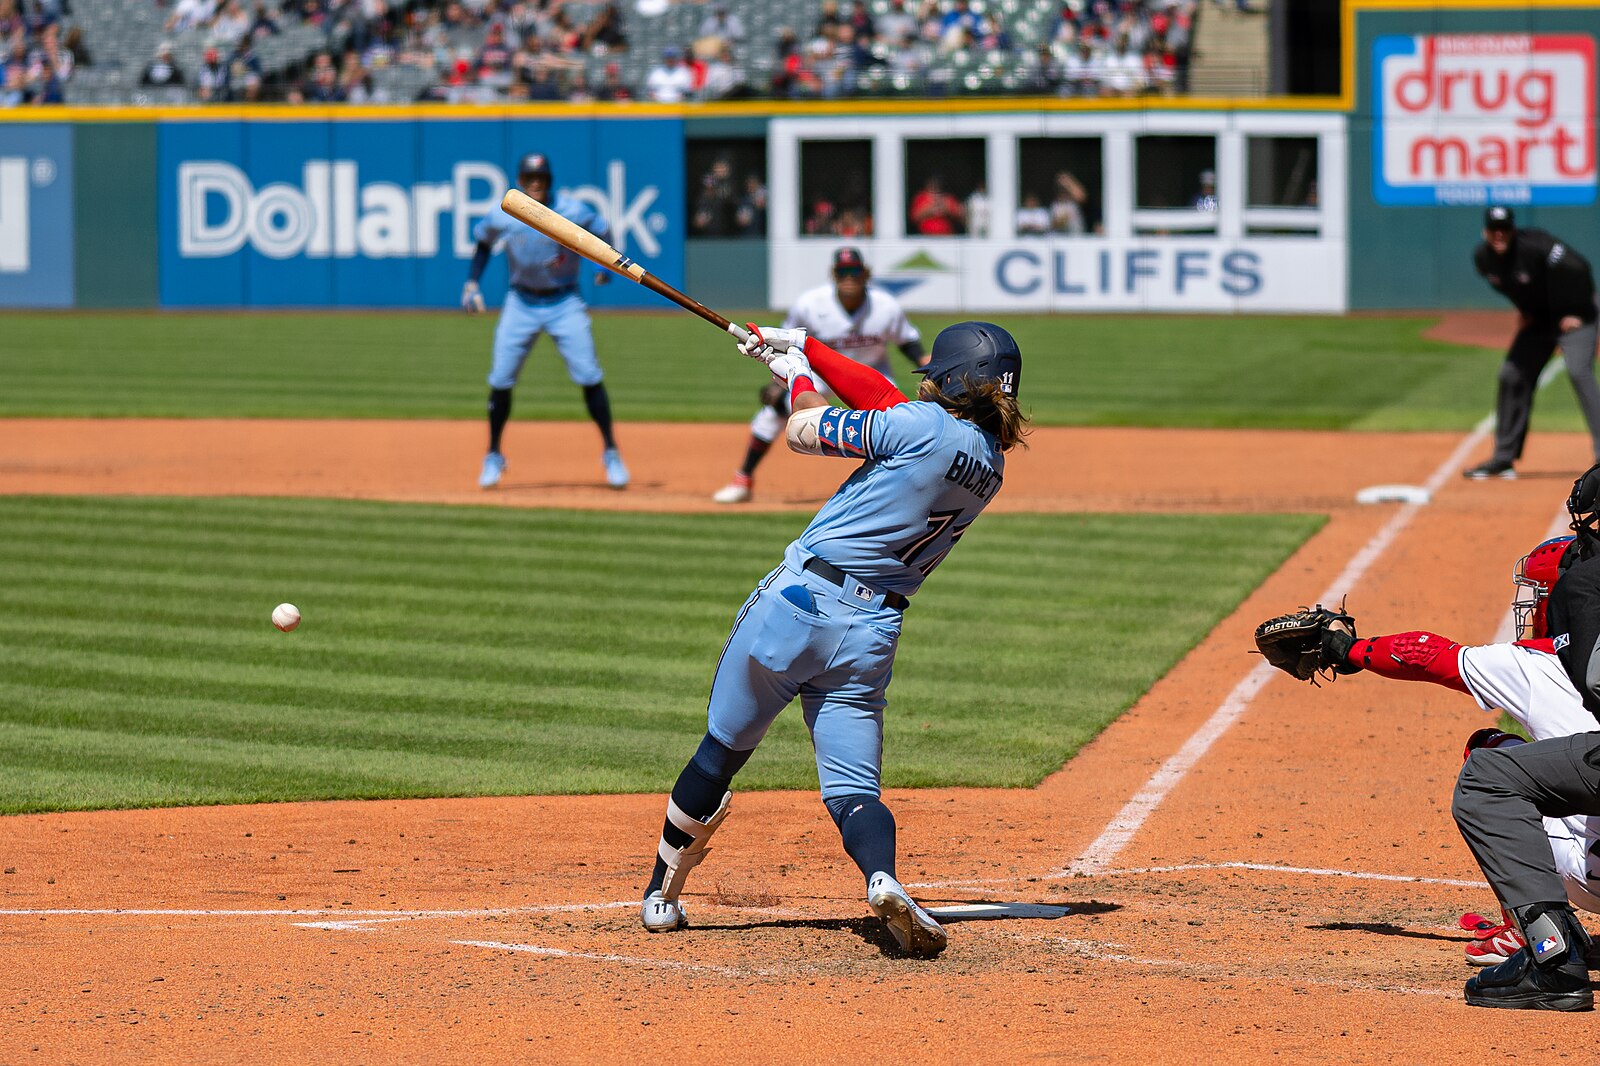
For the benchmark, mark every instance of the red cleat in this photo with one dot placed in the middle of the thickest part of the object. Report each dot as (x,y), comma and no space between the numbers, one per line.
(1492,943)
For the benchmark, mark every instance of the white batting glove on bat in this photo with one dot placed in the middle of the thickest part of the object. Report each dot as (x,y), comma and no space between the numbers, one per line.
(766,344)
(790,365)
(471,298)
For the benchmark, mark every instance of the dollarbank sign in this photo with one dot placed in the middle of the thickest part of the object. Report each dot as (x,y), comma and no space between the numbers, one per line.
(1484,118)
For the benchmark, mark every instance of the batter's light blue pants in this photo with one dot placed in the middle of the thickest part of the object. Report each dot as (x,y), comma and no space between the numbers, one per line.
(522,319)
(799,635)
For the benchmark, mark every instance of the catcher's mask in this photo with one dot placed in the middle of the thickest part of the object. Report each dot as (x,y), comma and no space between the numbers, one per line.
(1584,507)
(1535,575)
(973,352)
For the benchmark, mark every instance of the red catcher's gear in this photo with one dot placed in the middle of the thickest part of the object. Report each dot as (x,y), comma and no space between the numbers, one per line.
(1535,575)
(1415,656)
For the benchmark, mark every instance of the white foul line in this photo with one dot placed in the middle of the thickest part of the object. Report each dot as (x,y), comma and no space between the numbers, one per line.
(629,960)
(361,916)
(1116,835)
(1312,871)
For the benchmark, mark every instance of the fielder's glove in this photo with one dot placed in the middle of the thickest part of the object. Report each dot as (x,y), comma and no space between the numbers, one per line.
(471,298)
(1309,642)
(767,344)
(792,364)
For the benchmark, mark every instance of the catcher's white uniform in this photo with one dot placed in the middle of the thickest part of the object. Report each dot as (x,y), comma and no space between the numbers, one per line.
(1527,681)
(864,336)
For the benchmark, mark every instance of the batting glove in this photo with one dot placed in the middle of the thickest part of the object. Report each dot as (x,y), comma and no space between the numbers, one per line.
(790,365)
(471,298)
(766,344)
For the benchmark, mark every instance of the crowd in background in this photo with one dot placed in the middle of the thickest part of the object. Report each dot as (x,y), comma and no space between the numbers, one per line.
(39,55)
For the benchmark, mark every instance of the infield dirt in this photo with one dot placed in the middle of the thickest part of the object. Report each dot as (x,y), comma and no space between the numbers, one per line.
(1295,893)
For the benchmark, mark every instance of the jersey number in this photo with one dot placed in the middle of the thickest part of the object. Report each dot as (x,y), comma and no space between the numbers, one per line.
(938,522)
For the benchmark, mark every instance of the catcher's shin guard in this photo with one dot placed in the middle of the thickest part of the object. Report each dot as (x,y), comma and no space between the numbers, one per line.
(681,860)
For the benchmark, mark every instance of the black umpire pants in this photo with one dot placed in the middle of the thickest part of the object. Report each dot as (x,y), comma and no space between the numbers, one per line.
(1501,796)
(1519,377)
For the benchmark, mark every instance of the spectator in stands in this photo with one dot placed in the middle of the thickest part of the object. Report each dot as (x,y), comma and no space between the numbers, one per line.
(821,221)
(244,71)
(1044,76)
(230,25)
(751,215)
(859,20)
(189,15)
(722,25)
(671,81)
(716,205)
(978,211)
(604,34)
(324,85)
(211,83)
(1206,198)
(1033,218)
(49,50)
(1124,71)
(897,27)
(852,222)
(828,17)
(262,22)
(1066,209)
(45,86)
(724,80)
(792,76)
(494,57)
(162,70)
(74,46)
(856,50)
(612,87)
(539,83)
(934,212)
(1081,71)
(960,27)
(14,90)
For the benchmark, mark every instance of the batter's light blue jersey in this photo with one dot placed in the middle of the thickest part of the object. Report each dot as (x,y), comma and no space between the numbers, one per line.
(927,475)
(536,261)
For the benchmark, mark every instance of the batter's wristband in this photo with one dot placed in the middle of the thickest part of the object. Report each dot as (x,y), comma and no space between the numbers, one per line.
(801,383)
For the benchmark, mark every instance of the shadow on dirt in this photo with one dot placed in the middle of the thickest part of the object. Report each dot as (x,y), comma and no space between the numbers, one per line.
(1385,929)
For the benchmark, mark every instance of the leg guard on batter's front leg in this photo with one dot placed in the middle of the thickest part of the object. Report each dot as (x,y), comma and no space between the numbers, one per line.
(681,860)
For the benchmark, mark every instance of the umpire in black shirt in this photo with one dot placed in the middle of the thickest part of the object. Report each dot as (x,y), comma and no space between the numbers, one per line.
(1553,290)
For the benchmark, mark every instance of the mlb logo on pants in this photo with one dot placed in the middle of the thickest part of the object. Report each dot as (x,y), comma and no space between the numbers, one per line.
(862,592)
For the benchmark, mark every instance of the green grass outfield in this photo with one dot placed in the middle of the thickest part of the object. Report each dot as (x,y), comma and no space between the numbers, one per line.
(468,651)
(1143,370)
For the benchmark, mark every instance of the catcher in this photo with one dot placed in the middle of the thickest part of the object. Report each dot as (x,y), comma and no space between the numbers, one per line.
(1525,678)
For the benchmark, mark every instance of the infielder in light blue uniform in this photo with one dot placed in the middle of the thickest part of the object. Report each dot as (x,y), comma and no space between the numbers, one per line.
(542,298)
(824,625)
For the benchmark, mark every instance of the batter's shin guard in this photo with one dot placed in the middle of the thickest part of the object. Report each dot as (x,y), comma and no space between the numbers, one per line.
(680,860)
(1551,973)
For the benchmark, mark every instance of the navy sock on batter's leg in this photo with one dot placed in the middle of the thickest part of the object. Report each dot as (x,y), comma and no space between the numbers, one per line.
(867,828)
(699,792)
(499,415)
(599,404)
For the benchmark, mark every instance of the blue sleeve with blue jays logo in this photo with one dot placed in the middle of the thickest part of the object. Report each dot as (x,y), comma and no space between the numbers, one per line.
(926,475)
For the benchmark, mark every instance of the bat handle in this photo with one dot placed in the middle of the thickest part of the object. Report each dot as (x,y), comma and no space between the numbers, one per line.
(738,332)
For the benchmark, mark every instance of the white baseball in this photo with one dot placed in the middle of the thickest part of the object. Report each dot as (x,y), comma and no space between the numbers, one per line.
(286,616)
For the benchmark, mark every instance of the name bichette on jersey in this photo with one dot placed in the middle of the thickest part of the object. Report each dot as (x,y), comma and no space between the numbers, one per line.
(974,475)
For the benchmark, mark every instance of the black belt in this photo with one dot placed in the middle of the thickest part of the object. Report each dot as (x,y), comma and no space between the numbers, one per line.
(544,294)
(838,577)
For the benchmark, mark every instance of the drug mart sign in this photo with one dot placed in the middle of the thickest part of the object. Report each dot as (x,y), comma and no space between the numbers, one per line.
(1484,118)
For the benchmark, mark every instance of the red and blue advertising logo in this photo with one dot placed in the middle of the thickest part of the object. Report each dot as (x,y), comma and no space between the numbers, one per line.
(1479,118)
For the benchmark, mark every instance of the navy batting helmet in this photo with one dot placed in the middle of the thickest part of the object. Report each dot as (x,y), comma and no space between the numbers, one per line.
(534,165)
(976,352)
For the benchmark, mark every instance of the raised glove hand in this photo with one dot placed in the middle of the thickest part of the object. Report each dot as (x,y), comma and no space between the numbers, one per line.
(1309,642)
(790,365)
(766,344)
(471,298)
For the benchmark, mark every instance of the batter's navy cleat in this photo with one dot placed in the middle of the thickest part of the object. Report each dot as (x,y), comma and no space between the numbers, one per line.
(1490,468)
(494,464)
(735,491)
(616,473)
(912,927)
(660,915)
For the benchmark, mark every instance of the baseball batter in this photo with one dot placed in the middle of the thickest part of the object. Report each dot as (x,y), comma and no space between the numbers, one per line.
(824,625)
(851,316)
(542,298)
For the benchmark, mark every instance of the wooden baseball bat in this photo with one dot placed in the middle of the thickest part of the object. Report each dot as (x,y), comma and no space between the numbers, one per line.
(569,234)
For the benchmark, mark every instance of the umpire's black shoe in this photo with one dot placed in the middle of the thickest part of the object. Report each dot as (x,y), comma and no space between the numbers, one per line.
(1490,468)
(1518,984)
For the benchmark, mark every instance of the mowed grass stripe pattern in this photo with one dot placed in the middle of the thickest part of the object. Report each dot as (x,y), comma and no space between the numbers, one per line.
(1133,370)
(469,651)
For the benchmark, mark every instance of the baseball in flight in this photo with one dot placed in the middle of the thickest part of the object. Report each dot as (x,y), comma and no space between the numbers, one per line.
(286,616)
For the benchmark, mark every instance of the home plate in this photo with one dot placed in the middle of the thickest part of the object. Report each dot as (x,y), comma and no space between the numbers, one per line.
(979,912)
(1394,494)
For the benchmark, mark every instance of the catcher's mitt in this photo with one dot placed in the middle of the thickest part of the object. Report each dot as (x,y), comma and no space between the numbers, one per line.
(1309,642)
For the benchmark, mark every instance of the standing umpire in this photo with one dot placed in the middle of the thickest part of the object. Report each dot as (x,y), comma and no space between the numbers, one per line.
(1503,793)
(1553,290)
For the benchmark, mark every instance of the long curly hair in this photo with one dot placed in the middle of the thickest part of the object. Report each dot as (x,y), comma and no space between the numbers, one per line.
(984,405)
